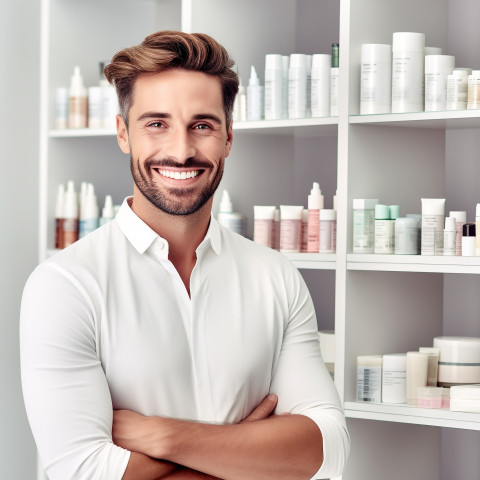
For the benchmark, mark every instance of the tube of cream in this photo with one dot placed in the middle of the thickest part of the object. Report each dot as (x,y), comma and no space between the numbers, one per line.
(291,228)
(433,219)
(263,225)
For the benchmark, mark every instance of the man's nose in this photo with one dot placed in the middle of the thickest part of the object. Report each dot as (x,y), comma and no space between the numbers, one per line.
(180,146)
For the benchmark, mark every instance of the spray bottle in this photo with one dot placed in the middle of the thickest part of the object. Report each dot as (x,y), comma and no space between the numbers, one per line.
(88,213)
(107,211)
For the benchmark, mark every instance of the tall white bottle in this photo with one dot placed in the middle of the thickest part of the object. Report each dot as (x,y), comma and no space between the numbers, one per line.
(254,97)
(320,90)
(315,204)
(273,86)
(297,86)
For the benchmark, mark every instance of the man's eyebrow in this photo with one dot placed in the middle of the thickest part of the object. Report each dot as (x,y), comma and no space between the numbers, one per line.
(147,115)
(208,116)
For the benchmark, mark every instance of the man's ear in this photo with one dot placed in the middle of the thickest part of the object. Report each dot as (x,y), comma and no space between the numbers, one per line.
(122,135)
(228,146)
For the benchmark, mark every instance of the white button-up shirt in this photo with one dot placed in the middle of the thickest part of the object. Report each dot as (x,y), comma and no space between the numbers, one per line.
(108,323)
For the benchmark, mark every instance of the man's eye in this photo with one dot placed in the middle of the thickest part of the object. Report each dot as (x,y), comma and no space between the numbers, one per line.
(155,124)
(202,126)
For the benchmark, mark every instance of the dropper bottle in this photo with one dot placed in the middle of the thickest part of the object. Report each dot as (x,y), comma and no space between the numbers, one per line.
(255,103)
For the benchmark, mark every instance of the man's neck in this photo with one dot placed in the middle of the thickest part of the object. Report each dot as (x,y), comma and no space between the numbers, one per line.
(184,233)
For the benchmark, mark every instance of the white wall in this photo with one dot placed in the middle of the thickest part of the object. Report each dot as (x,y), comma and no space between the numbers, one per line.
(19,86)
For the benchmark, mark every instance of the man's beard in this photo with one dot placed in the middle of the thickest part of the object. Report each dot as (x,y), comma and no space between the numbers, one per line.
(177,201)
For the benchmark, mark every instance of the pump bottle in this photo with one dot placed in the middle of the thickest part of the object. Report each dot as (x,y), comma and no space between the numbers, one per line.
(107,211)
(70,216)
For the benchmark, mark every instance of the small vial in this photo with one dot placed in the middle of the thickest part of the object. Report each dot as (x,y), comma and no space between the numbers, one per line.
(468,240)
(449,237)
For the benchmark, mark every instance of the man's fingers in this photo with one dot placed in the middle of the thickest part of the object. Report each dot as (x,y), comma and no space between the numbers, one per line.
(264,409)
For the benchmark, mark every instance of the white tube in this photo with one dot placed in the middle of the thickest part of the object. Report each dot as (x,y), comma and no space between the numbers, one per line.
(394,378)
(297,86)
(273,86)
(433,220)
(291,228)
(263,225)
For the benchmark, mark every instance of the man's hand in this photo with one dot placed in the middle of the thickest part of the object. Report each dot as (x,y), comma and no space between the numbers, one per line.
(136,432)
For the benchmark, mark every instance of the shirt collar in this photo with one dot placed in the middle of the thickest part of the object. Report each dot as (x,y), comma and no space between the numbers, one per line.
(141,236)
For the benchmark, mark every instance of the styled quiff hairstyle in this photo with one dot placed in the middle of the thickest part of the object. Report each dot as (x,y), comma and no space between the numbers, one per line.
(166,50)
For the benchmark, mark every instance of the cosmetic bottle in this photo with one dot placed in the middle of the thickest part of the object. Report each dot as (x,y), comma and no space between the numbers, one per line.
(78,101)
(88,213)
(59,216)
(70,215)
(460,219)
(474,90)
(255,101)
(263,228)
(437,70)
(457,90)
(273,86)
(449,237)
(61,107)
(328,231)
(107,211)
(297,86)
(95,107)
(285,67)
(315,204)
(364,225)
(406,236)
(334,80)
(240,105)
(408,62)
(304,243)
(394,378)
(432,51)
(228,218)
(291,228)
(417,374)
(320,90)
(433,358)
(369,378)
(276,229)
(110,107)
(385,229)
(376,78)
(477,229)
(433,220)
(468,240)
(418,218)
(308,111)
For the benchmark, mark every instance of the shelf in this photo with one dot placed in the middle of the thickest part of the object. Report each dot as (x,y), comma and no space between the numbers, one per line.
(413,263)
(410,414)
(302,127)
(313,261)
(435,120)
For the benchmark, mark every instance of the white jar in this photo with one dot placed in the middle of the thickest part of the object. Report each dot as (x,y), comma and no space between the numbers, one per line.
(437,69)
(297,86)
(320,90)
(406,236)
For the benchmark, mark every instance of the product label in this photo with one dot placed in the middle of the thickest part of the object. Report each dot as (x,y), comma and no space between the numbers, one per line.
(369,384)
(328,236)
(432,234)
(375,83)
(290,235)
(435,91)
(363,231)
(394,386)
(334,85)
(313,231)
(408,78)
(262,232)
(384,236)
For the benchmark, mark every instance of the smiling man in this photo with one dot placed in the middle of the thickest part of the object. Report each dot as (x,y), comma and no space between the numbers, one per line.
(164,345)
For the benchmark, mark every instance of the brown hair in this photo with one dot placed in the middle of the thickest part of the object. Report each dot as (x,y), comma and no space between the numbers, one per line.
(166,50)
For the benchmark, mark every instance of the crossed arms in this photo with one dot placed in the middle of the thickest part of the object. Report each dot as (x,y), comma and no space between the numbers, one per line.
(261,446)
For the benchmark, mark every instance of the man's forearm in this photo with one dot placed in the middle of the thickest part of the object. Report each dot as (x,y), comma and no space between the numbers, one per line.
(282,447)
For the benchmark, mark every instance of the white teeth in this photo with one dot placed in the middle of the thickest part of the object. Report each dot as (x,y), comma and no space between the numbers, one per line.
(179,175)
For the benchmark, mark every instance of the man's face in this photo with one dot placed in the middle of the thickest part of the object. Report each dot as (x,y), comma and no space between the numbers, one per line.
(177,139)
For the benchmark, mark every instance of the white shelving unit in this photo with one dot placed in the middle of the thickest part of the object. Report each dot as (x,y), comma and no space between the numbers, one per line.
(382,304)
